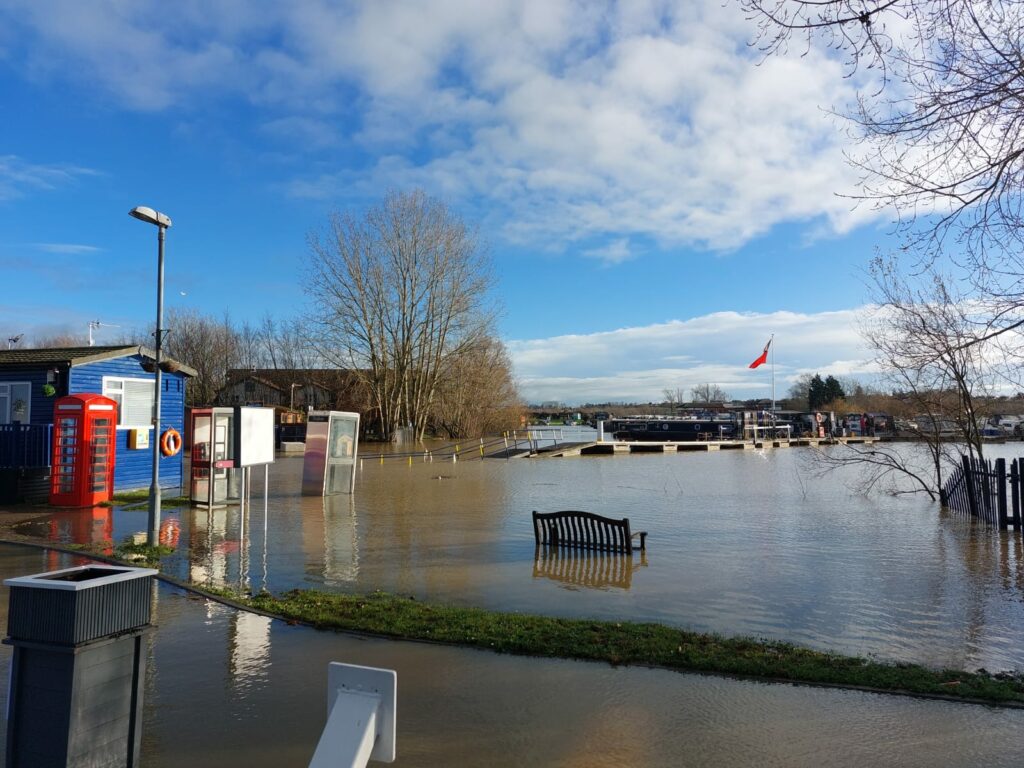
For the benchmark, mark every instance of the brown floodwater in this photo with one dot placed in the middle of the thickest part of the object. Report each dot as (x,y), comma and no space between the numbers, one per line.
(740,542)
(229,688)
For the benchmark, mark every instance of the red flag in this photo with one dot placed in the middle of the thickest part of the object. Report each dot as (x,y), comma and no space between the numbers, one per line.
(764,356)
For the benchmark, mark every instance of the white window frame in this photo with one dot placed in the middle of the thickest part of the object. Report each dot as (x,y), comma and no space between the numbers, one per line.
(108,380)
(8,386)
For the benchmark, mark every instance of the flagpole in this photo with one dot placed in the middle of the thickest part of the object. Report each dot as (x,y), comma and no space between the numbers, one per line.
(771,342)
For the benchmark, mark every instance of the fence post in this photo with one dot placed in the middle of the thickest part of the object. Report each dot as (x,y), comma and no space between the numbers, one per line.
(1001,490)
(1015,492)
(972,501)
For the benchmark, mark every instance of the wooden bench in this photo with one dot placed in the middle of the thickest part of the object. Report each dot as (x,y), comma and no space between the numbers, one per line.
(585,530)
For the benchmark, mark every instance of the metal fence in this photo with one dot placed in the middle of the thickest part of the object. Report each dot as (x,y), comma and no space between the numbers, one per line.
(985,490)
(25,445)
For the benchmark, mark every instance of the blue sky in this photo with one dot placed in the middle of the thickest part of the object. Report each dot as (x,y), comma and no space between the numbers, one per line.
(657,200)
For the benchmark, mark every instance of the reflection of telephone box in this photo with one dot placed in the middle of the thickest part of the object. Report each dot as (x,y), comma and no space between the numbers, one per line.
(82,473)
(225,441)
(332,442)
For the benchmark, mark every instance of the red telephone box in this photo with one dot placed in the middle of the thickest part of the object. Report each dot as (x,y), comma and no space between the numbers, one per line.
(82,473)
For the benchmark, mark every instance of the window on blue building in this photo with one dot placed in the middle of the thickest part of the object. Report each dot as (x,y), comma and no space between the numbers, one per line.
(135,400)
(15,402)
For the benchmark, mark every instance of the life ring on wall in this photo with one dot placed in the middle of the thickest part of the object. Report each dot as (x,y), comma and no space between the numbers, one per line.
(817,417)
(170,442)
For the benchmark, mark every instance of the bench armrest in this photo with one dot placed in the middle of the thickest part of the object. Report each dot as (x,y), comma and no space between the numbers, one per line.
(643,539)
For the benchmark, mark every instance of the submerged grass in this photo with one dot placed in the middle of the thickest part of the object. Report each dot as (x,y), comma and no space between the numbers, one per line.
(624,643)
(142,554)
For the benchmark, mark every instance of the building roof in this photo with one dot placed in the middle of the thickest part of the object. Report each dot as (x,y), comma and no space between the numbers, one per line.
(73,356)
(282,378)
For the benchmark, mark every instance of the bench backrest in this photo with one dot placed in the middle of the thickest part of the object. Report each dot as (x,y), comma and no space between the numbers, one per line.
(583,530)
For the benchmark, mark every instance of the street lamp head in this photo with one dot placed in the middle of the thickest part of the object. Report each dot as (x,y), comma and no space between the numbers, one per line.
(142,213)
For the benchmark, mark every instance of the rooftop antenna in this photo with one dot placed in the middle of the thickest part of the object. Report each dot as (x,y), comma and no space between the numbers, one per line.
(12,340)
(95,324)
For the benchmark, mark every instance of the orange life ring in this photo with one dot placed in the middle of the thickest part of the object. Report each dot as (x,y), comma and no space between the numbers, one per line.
(170,442)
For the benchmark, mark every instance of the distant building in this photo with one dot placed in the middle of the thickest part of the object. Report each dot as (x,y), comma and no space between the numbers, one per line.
(299,389)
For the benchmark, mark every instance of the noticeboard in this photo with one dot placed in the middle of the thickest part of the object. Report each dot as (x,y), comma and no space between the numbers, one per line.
(254,436)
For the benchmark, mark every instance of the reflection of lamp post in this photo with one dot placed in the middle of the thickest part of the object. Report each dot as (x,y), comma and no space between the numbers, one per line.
(162,222)
(291,404)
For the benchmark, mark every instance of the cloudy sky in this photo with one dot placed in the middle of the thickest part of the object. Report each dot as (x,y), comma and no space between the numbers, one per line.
(657,199)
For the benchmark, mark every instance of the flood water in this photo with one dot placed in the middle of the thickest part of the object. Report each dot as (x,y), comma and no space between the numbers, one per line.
(739,542)
(229,688)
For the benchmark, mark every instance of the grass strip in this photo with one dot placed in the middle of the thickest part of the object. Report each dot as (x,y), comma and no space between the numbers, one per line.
(623,643)
(140,496)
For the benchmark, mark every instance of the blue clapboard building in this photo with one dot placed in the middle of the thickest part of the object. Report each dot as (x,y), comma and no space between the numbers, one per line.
(30,381)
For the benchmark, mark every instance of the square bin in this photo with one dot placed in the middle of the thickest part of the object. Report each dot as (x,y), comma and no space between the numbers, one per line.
(78,605)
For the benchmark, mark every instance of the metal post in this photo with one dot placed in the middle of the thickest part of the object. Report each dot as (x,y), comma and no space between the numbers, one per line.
(154,489)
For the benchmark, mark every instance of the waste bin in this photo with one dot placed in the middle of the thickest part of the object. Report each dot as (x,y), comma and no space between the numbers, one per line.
(78,666)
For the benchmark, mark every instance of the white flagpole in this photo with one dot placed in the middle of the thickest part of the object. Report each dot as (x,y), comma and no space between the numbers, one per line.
(772,343)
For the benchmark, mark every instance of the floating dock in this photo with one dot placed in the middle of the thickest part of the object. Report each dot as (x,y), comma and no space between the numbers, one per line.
(611,447)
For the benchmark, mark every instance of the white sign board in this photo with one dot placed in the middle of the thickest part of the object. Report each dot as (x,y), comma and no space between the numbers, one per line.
(254,436)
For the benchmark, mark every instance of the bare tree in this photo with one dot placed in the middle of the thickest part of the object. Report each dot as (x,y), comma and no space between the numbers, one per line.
(477,393)
(944,145)
(204,343)
(945,355)
(289,344)
(708,393)
(399,292)
(249,350)
(674,397)
(62,340)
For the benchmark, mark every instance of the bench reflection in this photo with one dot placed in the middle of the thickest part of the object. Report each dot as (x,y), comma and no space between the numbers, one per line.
(586,568)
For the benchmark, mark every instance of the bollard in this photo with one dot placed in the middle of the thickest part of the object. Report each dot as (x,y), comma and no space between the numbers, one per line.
(78,666)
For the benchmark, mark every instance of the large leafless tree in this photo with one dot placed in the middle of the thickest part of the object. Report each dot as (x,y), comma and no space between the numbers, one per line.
(399,292)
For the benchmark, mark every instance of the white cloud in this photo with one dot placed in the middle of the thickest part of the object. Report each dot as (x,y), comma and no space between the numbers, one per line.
(615,252)
(564,120)
(18,177)
(66,248)
(636,364)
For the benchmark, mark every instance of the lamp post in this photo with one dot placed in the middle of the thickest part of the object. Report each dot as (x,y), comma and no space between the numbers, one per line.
(291,404)
(162,222)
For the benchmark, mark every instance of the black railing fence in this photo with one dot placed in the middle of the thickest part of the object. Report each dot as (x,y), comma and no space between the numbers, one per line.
(25,445)
(986,490)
